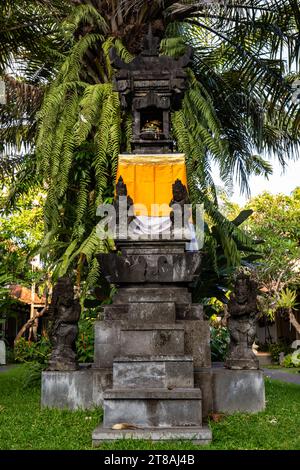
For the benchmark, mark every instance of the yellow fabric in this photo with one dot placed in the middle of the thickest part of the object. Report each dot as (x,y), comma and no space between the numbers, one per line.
(149,180)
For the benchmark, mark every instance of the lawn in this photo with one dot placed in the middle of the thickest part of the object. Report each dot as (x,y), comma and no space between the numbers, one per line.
(23,425)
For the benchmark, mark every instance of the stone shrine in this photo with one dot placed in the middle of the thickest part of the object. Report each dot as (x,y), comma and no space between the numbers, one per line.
(150,338)
(149,87)
(152,361)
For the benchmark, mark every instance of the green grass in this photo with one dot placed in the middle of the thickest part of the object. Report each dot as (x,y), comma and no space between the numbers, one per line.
(23,425)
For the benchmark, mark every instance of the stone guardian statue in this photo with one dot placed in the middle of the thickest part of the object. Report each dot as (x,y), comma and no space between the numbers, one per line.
(65,313)
(242,308)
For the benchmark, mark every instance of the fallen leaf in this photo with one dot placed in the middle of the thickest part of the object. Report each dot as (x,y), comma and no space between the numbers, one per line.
(119,426)
(217,417)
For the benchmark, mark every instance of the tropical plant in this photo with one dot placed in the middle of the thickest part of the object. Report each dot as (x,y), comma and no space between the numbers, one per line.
(21,231)
(276,348)
(29,46)
(276,221)
(85,340)
(29,351)
(33,375)
(292,360)
(239,105)
(219,341)
(288,301)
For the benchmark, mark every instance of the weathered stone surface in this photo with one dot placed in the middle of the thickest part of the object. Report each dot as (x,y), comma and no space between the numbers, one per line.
(163,312)
(189,312)
(152,339)
(127,295)
(115,312)
(65,313)
(122,201)
(152,268)
(238,390)
(153,372)
(197,341)
(151,247)
(153,407)
(2,353)
(242,308)
(198,435)
(153,312)
(153,394)
(73,390)
(203,380)
(107,342)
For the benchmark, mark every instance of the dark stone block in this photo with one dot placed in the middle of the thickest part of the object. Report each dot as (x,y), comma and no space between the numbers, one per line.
(203,380)
(197,342)
(189,312)
(128,295)
(153,312)
(107,343)
(151,268)
(156,339)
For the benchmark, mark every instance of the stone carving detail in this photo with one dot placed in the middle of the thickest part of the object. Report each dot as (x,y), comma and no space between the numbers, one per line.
(150,86)
(65,312)
(121,191)
(180,198)
(138,269)
(242,309)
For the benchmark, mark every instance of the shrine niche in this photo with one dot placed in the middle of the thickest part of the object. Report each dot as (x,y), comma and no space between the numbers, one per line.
(151,86)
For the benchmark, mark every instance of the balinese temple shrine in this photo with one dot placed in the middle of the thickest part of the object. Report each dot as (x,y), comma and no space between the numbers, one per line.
(152,369)
(152,336)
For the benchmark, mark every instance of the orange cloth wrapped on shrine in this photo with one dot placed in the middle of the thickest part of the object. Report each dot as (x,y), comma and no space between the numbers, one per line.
(149,180)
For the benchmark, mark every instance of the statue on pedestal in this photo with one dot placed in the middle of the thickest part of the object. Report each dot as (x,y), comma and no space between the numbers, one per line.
(65,312)
(242,308)
(121,192)
(180,198)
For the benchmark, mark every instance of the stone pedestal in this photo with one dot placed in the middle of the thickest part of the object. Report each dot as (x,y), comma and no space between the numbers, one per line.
(152,363)
(238,391)
(152,337)
(72,390)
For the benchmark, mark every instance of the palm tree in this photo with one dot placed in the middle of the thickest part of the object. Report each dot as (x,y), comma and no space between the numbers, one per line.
(238,107)
(29,39)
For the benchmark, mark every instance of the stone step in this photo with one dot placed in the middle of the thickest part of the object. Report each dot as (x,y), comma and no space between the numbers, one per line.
(198,435)
(153,372)
(189,312)
(147,408)
(152,339)
(127,295)
(154,312)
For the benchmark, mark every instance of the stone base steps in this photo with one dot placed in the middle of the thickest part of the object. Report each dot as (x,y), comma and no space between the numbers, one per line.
(149,408)
(154,372)
(152,339)
(198,435)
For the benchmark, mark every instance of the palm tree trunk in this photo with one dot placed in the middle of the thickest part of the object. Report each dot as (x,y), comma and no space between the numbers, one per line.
(293,321)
